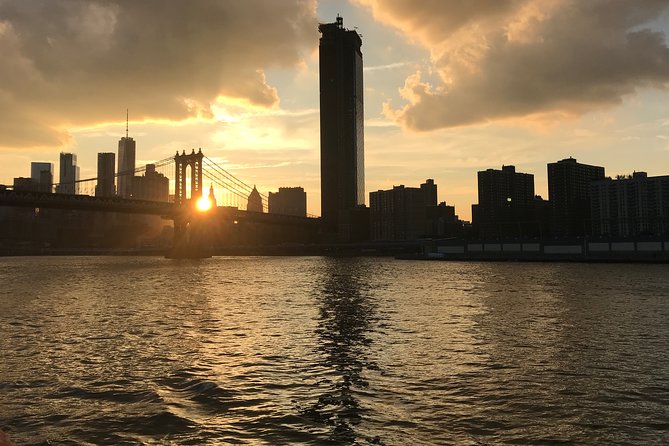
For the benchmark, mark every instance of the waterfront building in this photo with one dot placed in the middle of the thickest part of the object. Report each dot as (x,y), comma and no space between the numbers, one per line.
(106,173)
(354,225)
(630,206)
(152,186)
(401,213)
(69,174)
(443,221)
(288,201)
(42,174)
(505,204)
(568,194)
(341,123)
(254,203)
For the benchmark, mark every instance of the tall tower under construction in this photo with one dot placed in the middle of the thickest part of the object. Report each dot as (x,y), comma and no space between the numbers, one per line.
(342,123)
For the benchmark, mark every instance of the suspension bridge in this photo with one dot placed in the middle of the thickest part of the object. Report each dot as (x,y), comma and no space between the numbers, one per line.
(229,190)
(170,188)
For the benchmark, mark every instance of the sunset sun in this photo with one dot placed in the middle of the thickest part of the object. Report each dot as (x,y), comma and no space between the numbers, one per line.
(203,204)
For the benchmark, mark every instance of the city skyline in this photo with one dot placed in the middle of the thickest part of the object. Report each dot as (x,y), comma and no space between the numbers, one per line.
(263,124)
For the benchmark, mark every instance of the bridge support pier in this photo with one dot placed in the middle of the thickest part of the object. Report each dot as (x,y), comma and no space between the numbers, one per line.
(188,241)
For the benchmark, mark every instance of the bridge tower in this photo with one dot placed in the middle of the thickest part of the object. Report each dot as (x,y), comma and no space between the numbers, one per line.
(187,243)
(181,163)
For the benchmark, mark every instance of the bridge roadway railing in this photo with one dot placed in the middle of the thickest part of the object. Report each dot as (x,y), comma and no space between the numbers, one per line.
(275,219)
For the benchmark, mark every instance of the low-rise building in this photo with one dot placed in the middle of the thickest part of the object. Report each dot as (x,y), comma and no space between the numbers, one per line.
(23,184)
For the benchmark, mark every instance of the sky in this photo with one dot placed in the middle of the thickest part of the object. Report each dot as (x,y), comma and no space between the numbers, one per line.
(451,86)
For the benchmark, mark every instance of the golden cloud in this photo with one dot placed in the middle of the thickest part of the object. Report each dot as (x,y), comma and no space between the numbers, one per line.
(81,62)
(515,58)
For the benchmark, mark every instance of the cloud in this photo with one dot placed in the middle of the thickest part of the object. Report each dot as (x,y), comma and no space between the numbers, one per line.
(514,58)
(70,63)
(390,66)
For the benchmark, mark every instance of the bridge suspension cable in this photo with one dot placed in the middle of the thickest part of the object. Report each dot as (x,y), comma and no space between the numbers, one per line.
(230,189)
(140,169)
(230,182)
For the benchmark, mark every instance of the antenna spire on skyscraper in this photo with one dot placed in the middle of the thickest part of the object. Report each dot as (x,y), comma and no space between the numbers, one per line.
(126,122)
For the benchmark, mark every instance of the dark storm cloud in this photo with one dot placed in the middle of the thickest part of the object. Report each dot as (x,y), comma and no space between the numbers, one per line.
(505,59)
(80,62)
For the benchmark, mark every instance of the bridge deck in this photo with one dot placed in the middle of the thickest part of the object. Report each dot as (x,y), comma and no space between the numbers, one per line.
(115,204)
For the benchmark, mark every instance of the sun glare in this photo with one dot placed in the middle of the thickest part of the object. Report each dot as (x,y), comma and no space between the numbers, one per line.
(203,204)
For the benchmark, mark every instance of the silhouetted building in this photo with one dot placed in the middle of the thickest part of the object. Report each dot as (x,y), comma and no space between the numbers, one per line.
(69,174)
(288,201)
(106,172)
(568,193)
(126,166)
(254,203)
(505,202)
(23,184)
(541,212)
(442,221)
(151,186)
(211,197)
(354,225)
(632,206)
(401,213)
(342,122)
(42,174)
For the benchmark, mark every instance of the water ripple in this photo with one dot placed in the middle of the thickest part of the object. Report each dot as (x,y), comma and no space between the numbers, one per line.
(331,351)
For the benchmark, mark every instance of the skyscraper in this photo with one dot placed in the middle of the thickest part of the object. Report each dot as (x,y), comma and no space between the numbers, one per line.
(126,164)
(69,174)
(342,120)
(106,171)
(42,174)
(568,189)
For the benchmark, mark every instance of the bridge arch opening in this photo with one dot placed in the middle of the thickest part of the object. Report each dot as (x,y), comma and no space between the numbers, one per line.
(188,175)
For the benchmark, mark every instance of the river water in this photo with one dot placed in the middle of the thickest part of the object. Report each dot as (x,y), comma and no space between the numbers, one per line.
(260,350)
